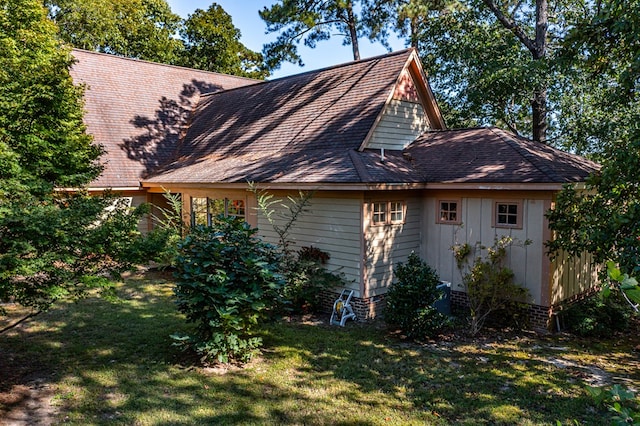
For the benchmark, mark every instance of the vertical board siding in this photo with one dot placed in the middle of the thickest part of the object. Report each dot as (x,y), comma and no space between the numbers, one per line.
(572,276)
(387,245)
(401,123)
(477,227)
(332,225)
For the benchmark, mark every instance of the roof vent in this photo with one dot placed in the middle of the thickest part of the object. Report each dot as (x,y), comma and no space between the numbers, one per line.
(382,155)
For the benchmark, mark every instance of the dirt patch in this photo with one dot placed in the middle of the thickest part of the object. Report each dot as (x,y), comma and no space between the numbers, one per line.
(27,404)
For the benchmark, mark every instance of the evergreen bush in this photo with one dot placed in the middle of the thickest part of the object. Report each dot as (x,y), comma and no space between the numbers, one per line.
(410,300)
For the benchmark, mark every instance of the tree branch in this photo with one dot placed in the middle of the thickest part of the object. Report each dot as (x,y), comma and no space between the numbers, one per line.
(9,327)
(511,25)
(299,34)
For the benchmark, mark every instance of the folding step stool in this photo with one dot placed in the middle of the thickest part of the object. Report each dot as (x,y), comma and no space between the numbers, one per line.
(342,310)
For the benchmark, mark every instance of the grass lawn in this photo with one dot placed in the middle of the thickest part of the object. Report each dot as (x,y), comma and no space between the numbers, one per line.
(111,362)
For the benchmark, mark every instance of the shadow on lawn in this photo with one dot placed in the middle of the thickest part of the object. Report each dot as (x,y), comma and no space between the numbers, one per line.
(112,362)
(471,383)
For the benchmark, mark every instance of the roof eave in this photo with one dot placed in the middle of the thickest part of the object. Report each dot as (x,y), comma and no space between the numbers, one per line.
(380,186)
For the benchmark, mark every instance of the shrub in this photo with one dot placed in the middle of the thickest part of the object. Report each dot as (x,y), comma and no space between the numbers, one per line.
(620,401)
(227,281)
(410,300)
(306,278)
(598,316)
(489,285)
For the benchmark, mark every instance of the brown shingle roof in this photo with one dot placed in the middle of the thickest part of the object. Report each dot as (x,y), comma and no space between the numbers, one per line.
(491,155)
(295,129)
(135,109)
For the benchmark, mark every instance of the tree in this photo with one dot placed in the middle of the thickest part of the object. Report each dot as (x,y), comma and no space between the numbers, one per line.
(494,62)
(402,16)
(536,44)
(212,43)
(142,29)
(54,243)
(146,29)
(604,219)
(310,21)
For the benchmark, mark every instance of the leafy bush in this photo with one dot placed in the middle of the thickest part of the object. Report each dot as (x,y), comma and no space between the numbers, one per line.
(597,316)
(409,301)
(489,284)
(227,280)
(306,277)
(621,402)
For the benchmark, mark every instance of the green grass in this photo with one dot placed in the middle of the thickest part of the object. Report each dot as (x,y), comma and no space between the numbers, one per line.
(111,362)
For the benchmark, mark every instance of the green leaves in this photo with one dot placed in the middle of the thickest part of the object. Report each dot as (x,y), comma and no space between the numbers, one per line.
(146,29)
(212,43)
(54,243)
(141,29)
(227,280)
(489,284)
(310,22)
(410,299)
(623,282)
(621,402)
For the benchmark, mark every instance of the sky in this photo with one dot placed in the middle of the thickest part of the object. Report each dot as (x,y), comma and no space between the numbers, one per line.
(244,14)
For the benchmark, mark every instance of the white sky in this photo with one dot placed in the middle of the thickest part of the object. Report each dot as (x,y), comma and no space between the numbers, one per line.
(244,14)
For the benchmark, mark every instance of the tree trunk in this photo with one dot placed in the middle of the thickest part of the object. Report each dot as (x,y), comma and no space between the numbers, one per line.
(353,33)
(413,31)
(539,101)
(538,49)
(539,115)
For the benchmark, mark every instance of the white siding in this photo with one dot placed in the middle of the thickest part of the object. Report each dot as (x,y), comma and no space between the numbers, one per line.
(402,122)
(477,226)
(386,245)
(332,225)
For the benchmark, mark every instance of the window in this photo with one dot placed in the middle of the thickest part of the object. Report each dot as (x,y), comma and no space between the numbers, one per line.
(235,208)
(449,211)
(199,212)
(204,209)
(387,212)
(396,211)
(508,214)
(379,213)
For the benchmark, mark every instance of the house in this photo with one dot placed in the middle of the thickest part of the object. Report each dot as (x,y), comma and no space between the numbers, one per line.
(366,137)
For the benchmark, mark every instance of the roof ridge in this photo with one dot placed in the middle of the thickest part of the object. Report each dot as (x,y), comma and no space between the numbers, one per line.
(363,174)
(161,64)
(546,170)
(344,64)
(332,67)
(459,129)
